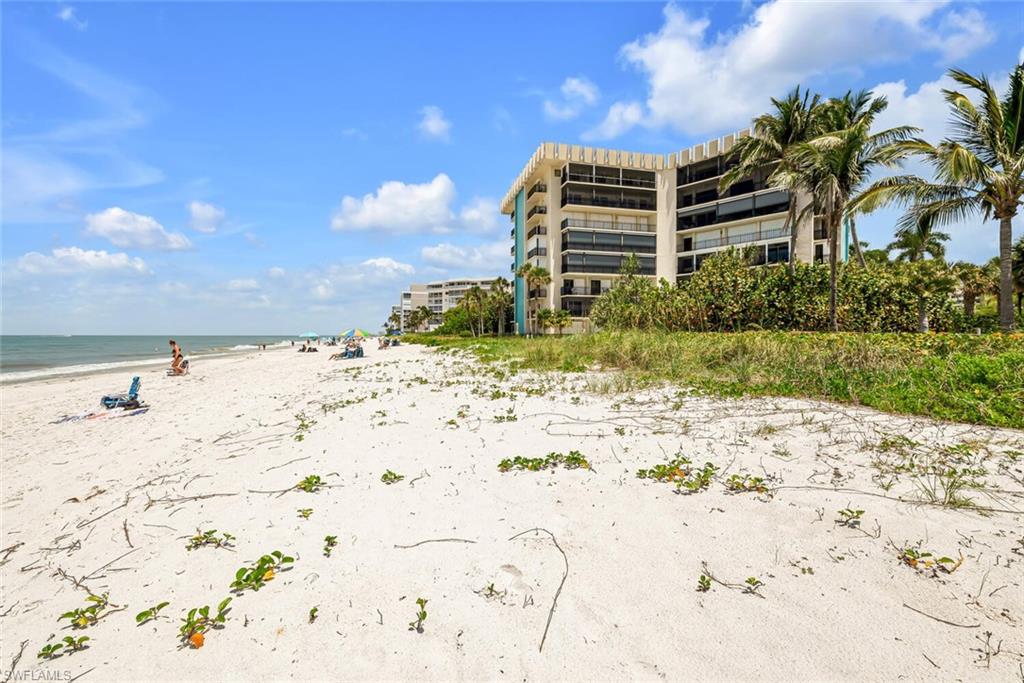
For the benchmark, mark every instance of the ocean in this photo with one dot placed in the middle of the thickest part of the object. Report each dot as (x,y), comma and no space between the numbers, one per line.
(24,357)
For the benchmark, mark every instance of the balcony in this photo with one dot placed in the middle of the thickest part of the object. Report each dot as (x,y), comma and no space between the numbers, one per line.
(512,251)
(537,294)
(512,233)
(582,196)
(535,211)
(537,251)
(607,175)
(598,263)
(607,225)
(764,204)
(754,236)
(537,230)
(538,186)
(583,291)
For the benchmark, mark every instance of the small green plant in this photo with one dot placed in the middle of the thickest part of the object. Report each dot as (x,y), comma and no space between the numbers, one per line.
(197,622)
(620,431)
(151,613)
(84,617)
(849,518)
(329,543)
(263,570)
(752,585)
(570,461)
(698,480)
(703,583)
(674,470)
(310,484)
(421,616)
(209,537)
(305,424)
(312,614)
(915,558)
(68,644)
(509,416)
(305,513)
(746,484)
(390,477)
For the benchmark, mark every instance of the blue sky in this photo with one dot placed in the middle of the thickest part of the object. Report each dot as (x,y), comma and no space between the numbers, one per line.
(256,168)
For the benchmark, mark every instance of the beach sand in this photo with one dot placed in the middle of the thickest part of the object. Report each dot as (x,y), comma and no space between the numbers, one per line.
(108,505)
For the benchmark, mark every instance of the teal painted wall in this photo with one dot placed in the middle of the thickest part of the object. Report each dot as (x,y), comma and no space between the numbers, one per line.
(520,241)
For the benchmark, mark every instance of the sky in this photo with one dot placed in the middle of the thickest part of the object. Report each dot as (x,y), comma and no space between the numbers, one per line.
(251,168)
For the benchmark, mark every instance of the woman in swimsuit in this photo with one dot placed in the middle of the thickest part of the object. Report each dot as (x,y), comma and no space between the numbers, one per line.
(176,358)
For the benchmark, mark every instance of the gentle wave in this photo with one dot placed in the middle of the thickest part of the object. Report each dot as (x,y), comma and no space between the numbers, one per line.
(93,368)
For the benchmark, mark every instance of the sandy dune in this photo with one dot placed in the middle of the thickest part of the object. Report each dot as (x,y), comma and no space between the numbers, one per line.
(107,505)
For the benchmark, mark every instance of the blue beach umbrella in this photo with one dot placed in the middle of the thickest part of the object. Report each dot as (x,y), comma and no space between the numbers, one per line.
(309,335)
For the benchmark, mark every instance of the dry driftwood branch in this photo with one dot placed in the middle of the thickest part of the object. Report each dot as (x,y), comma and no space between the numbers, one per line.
(14,662)
(725,584)
(554,602)
(96,519)
(284,464)
(8,550)
(94,573)
(126,536)
(914,609)
(437,540)
(171,502)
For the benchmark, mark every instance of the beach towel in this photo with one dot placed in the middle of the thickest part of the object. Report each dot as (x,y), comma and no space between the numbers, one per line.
(93,415)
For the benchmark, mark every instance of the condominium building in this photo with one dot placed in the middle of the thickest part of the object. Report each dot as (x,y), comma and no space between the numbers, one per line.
(579,212)
(438,296)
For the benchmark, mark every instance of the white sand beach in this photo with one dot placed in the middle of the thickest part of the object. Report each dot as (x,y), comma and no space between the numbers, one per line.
(107,505)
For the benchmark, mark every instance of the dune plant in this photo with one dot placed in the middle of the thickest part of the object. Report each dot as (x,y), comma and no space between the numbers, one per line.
(310,484)
(329,543)
(305,513)
(390,477)
(84,617)
(703,583)
(570,461)
(150,613)
(746,484)
(197,622)
(849,518)
(421,616)
(260,572)
(313,614)
(209,537)
(68,644)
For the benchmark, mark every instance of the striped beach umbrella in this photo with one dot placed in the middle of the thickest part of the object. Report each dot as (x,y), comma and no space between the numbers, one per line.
(355,332)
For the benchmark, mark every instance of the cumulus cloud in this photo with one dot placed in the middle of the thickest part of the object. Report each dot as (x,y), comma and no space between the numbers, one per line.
(386,266)
(276,272)
(74,260)
(702,82)
(480,215)
(243,285)
(433,125)
(621,117)
(126,230)
(577,92)
(398,207)
(377,277)
(490,257)
(205,216)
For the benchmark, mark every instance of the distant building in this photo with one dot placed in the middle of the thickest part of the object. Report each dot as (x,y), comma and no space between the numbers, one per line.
(438,296)
(579,212)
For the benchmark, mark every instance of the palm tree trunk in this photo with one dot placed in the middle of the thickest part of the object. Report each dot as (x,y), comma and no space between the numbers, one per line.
(1005,275)
(969,304)
(922,315)
(856,243)
(833,267)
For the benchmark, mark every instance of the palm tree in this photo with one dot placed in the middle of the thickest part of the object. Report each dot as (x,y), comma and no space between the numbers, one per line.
(918,237)
(928,280)
(796,118)
(545,318)
(475,297)
(974,282)
(836,164)
(561,319)
(394,321)
(979,168)
(501,299)
(534,276)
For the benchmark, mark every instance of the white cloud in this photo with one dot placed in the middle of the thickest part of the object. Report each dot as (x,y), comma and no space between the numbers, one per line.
(373,278)
(276,272)
(74,260)
(434,125)
(243,285)
(577,92)
(398,207)
(386,267)
(700,83)
(480,215)
(485,258)
(621,117)
(68,16)
(126,229)
(205,216)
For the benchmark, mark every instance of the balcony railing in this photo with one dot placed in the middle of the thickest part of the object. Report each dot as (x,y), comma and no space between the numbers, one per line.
(610,202)
(583,291)
(537,187)
(756,236)
(512,251)
(540,208)
(537,230)
(607,225)
(601,179)
(537,251)
(590,268)
(512,233)
(576,245)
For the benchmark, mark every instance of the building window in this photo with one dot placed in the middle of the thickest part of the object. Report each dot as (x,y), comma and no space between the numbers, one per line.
(778,252)
(819,253)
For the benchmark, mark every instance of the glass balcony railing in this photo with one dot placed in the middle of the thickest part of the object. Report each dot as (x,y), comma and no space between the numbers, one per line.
(620,202)
(537,251)
(537,230)
(539,209)
(583,291)
(730,240)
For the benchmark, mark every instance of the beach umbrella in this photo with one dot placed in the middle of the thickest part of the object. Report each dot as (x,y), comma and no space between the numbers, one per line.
(355,332)
(309,335)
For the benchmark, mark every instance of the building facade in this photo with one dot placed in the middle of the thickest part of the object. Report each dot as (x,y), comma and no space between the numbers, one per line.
(579,212)
(438,296)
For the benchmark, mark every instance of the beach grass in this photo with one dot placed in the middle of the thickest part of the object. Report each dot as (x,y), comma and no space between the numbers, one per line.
(975,379)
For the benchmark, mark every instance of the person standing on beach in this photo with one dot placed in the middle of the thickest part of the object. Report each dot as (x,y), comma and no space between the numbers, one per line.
(176,358)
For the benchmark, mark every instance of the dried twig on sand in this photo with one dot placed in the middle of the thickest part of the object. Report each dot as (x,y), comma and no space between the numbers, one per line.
(14,662)
(565,575)
(437,540)
(925,614)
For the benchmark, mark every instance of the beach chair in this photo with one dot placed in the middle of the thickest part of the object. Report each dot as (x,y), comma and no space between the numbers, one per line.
(128,400)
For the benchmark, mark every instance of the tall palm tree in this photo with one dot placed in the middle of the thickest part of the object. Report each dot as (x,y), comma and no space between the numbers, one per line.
(501,299)
(795,118)
(534,276)
(835,165)
(474,300)
(979,168)
(545,318)
(917,237)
